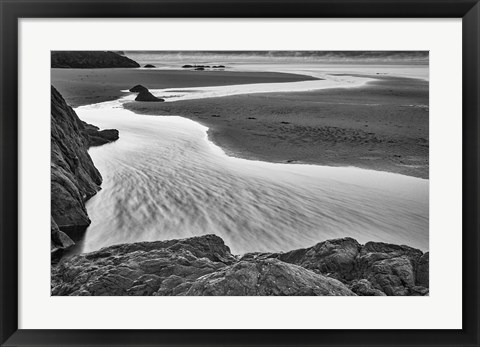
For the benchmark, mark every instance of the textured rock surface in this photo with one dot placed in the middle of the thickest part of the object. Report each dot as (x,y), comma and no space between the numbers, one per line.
(204,266)
(334,257)
(90,60)
(74,178)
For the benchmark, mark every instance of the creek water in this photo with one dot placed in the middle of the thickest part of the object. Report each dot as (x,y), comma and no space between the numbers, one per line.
(164,179)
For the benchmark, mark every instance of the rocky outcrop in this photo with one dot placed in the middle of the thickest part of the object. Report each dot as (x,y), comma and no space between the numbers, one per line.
(149,66)
(90,60)
(367,269)
(97,137)
(74,178)
(205,266)
(144,94)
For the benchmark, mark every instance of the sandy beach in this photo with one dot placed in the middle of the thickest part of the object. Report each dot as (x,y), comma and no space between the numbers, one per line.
(380,126)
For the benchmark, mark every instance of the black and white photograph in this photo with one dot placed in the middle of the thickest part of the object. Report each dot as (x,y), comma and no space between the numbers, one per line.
(239,173)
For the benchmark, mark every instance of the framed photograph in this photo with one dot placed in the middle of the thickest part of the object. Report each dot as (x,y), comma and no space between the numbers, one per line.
(239,173)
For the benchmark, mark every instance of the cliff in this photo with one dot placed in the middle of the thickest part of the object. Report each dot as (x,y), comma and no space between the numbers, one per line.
(90,60)
(74,178)
(204,266)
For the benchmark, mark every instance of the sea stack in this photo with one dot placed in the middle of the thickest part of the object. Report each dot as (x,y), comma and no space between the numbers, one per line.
(144,94)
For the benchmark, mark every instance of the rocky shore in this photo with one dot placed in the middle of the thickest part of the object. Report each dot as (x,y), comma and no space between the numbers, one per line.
(74,177)
(205,266)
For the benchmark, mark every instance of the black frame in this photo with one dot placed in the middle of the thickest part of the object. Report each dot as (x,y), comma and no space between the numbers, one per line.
(12,10)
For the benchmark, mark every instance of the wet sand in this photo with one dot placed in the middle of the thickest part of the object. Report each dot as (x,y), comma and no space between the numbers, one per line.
(87,86)
(381,126)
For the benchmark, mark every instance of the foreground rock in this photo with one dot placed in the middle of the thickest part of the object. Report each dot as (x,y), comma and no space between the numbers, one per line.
(90,60)
(375,268)
(74,178)
(204,266)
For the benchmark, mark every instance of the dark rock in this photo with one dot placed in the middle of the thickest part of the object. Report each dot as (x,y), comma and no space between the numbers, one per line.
(187,66)
(147,96)
(138,88)
(218,67)
(149,66)
(74,178)
(90,60)
(101,137)
(390,268)
(132,269)
(199,68)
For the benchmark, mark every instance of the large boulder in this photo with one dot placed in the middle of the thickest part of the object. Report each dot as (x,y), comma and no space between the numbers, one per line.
(375,268)
(147,96)
(139,268)
(149,66)
(265,277)
(144,94)
(334,257)
(390,268)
